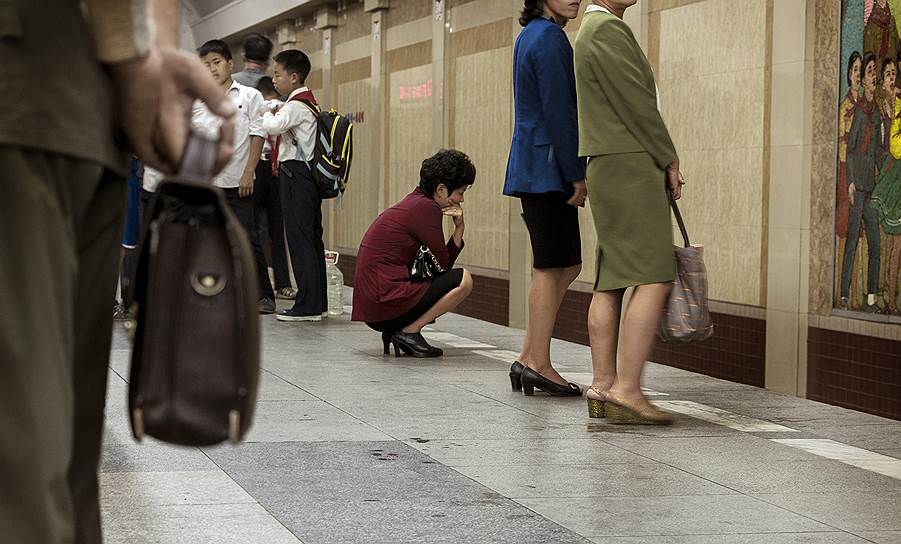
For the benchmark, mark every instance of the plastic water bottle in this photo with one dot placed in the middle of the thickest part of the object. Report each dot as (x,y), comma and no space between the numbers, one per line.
(335,282)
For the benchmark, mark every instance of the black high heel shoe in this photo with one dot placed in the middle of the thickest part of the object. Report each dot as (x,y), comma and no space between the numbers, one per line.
(386,341)
(413,344)
(516,375)
(531,379)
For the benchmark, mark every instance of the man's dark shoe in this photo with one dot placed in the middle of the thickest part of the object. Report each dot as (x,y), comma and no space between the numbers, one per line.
(292,315)
(267,306)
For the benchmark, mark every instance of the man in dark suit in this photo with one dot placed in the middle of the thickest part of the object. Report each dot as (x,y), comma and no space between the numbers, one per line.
(864,156)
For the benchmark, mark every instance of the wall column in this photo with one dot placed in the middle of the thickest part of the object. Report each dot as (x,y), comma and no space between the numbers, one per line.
(520,272)
(439,41)
(376,117)
(326,22)
(788,199)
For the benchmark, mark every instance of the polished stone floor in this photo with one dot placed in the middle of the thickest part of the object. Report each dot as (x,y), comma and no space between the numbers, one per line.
(350,446)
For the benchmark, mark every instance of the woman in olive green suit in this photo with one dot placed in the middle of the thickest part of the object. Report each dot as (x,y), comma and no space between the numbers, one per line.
(632,160)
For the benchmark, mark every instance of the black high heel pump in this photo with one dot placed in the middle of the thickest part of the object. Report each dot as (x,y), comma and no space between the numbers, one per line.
(531,379)
(386,341)
(412,344)
(516,375)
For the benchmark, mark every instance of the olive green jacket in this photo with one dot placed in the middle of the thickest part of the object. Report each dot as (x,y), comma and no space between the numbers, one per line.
(617,96)
(57,96)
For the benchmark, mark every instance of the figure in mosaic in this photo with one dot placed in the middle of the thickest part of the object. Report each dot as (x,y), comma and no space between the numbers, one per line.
(863,157)
(868,184)
(886,199)
(880,35)
(845,116)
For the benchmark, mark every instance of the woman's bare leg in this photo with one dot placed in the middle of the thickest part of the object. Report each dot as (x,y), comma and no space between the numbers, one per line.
(603,331)
(445,304)
(546,292)
(637,338)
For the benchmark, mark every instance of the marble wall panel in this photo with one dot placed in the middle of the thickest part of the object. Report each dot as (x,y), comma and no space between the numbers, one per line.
(357,211)
(409,130)
(407,11)
(481,116)
(353,23)
(713,36)
(713,97)
(309,39)
(823,171)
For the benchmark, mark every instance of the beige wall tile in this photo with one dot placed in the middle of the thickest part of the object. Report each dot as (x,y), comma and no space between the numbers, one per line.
(409,130)
(789,111)
(357,210)
(352,50)
(786,177)
(788,44)
(477,13)
(784,270)
(713,36)
(482,124)
(712,95)
(782,331)
(406,34)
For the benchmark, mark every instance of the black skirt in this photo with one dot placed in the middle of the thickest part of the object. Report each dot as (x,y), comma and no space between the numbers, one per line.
(553,229)
(441,285)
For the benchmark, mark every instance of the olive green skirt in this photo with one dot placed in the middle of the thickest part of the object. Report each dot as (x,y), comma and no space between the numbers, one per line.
(631,213)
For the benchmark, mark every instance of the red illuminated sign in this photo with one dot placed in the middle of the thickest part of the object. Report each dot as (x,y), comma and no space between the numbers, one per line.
(410,93)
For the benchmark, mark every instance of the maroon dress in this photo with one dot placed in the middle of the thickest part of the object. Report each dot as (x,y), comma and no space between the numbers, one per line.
(382,286)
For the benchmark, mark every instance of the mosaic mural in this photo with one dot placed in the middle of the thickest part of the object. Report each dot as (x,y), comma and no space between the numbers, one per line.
(868,189)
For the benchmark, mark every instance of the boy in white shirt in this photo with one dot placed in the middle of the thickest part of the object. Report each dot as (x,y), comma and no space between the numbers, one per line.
(267,203)
(295,127)
(237,178)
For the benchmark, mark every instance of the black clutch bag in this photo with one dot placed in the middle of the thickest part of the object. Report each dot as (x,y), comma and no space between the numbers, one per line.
(425,265)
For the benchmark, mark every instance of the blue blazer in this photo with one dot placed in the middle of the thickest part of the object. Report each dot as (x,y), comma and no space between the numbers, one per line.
(544,156)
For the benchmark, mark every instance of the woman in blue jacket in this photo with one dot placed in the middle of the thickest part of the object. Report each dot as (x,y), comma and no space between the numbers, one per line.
(546,174)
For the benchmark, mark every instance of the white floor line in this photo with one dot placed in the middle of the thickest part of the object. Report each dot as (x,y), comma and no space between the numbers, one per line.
(850,455)
(455,341)
(722,417)
(504,355)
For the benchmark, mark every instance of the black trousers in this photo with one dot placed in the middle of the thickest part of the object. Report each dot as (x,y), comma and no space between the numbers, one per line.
(267,212)
(243,210)
(861,211)
(302,208)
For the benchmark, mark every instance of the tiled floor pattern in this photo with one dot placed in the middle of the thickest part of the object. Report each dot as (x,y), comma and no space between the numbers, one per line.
(351,446)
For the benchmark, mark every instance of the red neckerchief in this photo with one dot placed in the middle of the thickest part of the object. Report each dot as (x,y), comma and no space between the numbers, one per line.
(306,96)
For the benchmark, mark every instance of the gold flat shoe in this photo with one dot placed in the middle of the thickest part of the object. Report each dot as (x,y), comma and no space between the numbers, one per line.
(644,413)
(597,400)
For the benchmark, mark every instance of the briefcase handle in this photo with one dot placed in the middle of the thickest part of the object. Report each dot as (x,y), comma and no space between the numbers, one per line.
(199,158)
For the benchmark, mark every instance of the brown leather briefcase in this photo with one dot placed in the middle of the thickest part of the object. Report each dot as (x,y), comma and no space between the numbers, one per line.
(196,360)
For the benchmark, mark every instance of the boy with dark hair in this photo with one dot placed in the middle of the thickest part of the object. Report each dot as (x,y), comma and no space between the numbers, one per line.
(257,50)
(267,206)
(294,127)
(237,178)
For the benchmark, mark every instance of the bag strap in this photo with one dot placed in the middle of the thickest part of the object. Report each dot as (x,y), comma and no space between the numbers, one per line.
(678,214)
(199,158)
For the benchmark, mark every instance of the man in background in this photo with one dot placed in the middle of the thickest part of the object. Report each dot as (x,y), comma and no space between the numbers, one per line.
(257,50)
(63,163)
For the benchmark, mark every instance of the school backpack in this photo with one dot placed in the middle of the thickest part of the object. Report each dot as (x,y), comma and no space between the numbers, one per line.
(333,155)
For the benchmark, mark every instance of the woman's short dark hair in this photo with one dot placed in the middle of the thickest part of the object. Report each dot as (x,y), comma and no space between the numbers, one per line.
(450,167)
(855,56)
(257,48)
(531,9)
